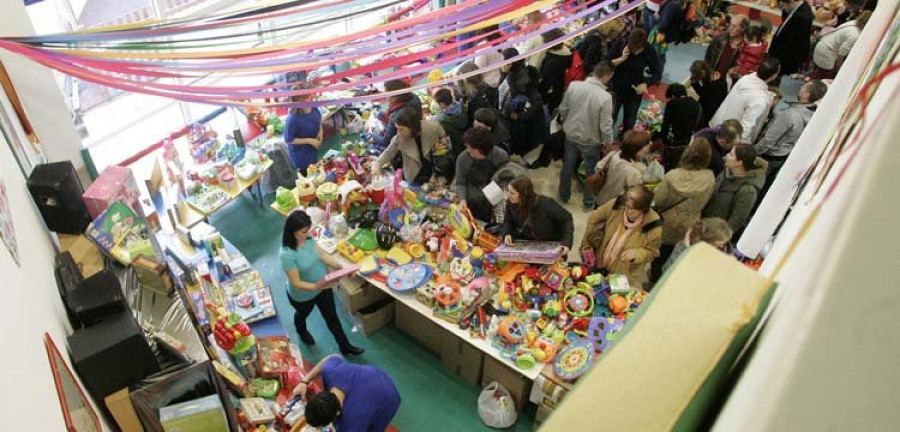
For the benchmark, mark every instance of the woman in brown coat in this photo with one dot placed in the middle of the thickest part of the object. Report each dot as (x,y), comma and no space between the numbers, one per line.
(624,235)
(681,196)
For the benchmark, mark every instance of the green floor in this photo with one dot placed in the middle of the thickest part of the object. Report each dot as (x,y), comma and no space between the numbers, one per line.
(433,398)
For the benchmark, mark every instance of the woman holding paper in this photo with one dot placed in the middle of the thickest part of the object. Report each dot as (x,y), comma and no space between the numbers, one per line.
(530,216)
(307,287)
(475,168)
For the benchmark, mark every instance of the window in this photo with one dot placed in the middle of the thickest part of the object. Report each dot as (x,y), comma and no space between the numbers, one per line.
(114,124)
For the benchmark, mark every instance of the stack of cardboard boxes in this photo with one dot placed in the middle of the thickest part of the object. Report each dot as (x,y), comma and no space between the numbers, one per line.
(368,306)
(547,394)
(461,357)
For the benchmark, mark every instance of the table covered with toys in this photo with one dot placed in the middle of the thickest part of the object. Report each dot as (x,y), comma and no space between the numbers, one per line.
(218,173)
(519,303)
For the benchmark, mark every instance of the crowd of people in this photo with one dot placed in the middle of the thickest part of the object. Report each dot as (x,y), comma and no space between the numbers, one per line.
(720,144)
(718,149)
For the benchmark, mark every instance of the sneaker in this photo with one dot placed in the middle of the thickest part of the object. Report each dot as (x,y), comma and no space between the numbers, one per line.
(306,337)
(351,350)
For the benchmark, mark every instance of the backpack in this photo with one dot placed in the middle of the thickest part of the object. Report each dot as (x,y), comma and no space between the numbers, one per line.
(576,71)
(282,172)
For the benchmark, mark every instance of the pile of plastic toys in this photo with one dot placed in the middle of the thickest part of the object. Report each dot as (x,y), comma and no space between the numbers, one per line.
(418,240)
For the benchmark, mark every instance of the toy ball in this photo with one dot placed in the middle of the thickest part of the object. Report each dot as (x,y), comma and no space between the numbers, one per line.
(617,304)
(579,272)
(386,236)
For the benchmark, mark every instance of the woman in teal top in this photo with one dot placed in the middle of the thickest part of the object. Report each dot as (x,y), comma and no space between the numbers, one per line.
(306,285)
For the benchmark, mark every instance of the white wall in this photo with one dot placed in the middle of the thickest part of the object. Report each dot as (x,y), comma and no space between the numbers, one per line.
(31,306)
(39,93)
(828,358)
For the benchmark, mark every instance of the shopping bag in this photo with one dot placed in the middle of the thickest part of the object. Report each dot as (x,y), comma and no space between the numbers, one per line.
(496,407)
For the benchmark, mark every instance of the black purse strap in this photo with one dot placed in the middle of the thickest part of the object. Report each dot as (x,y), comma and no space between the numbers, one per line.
(677,203)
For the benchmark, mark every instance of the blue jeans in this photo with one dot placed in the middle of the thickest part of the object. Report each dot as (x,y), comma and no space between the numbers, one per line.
(591,155)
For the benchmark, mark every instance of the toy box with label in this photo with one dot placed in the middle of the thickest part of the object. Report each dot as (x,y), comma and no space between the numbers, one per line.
(114,184)
(120,232)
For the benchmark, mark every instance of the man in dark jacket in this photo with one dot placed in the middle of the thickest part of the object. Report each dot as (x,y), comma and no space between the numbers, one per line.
(791,42)
(723,138)
(453,118)
(723,51)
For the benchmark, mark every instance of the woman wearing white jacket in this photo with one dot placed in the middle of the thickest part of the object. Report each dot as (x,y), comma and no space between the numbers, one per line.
(749,100)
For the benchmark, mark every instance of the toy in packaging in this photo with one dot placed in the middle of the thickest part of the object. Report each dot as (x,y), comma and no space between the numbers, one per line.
(532,252)
(257,411)
(115,183)
(197,415)
(275,356)
(120,233)
(250,297)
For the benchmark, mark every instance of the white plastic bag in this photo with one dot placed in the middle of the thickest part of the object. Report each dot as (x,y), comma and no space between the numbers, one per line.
(654,174)
(496,407)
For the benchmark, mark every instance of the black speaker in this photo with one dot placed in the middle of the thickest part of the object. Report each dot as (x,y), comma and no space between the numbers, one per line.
(57,190)
(111,354)
(68,277)
(96,298)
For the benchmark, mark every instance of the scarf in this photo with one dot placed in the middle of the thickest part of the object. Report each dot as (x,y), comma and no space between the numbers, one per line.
(614,248)
(394,106)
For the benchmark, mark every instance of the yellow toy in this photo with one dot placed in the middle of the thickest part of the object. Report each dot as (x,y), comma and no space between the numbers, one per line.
(350,252)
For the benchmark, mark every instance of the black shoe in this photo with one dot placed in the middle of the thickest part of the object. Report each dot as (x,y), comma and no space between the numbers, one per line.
(351,350)
(306,337)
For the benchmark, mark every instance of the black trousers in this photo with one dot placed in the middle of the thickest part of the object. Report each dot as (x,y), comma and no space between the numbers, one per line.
(325,302)
(630,103)
(665,251)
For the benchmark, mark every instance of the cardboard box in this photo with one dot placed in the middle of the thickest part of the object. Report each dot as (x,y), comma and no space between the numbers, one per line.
(115,183)
(519,386)
(356,294)
(119,405)
(153,275)
(548,389)
(420,327)
(198,415)
(85,253)
(462,358)
(541,415)
(376,316)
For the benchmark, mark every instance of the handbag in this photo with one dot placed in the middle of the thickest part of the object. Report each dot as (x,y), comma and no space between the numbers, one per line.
(427,169)
(596,181)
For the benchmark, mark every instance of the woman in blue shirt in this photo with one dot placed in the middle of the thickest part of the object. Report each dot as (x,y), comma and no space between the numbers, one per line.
(356,398)
(303,133)
(306,285)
